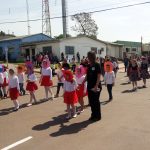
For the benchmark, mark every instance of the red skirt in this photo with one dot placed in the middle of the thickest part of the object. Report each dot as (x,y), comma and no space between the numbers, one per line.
(31,86)
(80,91)
(46,81)
(13,93)
(70,97)
(5,82)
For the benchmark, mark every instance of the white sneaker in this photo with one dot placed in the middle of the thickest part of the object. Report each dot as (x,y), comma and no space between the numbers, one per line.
(74,116)
(29,105)
(68,117)
(81,111)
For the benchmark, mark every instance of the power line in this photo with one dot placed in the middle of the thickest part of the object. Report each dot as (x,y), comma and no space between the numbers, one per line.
(91,12)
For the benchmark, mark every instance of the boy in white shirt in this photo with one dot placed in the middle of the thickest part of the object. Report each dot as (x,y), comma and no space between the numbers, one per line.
(109,79)
(1,81)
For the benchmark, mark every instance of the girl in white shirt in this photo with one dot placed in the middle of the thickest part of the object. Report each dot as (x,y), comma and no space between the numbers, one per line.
(109,79)
(21,77)
(31,84)
(70,95)
(82,89)
(46,78)
(60,79)
(13,88)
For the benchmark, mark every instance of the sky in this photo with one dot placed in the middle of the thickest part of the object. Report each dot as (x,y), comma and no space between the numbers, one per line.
(127,24)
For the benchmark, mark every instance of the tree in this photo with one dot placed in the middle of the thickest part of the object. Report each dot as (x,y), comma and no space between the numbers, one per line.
(61,36)
(85,25)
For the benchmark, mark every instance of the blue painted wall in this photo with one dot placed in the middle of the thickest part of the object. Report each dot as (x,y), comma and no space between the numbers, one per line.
(16,43)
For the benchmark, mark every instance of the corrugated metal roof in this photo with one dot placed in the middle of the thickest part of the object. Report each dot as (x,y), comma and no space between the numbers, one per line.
(22,37)
(129,43)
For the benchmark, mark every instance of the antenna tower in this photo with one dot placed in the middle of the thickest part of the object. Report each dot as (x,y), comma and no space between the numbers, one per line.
(46,23)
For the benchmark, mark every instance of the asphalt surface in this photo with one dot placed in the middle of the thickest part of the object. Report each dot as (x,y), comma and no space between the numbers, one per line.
(125,123)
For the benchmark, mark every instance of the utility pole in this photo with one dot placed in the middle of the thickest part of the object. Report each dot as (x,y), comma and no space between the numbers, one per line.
(46,22)
(64,18)
(28,18)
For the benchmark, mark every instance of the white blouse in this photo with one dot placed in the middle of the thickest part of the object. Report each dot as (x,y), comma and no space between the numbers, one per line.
(109,77)
(60,75)
(21,77)
(32,78)
(14,82)
(47,72)
(70,86)
(5,74)
(80,80)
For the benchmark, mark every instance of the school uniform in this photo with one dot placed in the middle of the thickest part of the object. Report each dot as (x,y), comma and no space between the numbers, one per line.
(13,87)
(46,77)
(70,95)
(6,79)
(109,79)
(61,81)
(92,72)
(31,85)
(144,71)
(82,88)
(21,77)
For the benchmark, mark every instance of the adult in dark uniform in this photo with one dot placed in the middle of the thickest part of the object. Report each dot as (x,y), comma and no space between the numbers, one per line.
(94,86)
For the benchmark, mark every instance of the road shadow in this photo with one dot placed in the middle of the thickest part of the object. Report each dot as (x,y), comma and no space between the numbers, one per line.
(105,102)
(126,83)
(7,111)
(71,129)
(128,91)
(60,120)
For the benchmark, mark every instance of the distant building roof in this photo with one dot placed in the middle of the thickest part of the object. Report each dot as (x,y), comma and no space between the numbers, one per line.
(129,43)
(22,37)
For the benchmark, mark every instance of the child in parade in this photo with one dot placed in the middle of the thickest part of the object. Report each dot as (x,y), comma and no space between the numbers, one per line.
(21,77)
(144,71)
(82,89)
(31,84)
(6,81)
(60,79)
(46,78)
(134,74)
(109,79)
(1,81)
(13,88)
(70,95)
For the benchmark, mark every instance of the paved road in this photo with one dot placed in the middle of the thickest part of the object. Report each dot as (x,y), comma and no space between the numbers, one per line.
(125,123)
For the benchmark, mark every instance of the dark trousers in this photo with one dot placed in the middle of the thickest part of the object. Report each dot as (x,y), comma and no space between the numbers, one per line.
(109,89)
(58,87)
(126,68)
(1,92)
(22,90)
(95,104)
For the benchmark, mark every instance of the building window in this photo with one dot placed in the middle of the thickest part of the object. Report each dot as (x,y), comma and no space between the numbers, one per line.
(69,50)
(127,50)
(47,50)
(134,49)
(94,49)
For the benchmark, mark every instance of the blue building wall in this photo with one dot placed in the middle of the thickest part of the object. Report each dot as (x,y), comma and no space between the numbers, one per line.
(14,44)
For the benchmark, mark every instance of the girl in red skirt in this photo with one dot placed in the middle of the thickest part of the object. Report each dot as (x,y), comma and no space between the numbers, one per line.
(6,81)
(81,90)
(46,78)
(13,88)
(70,95)
(31,84)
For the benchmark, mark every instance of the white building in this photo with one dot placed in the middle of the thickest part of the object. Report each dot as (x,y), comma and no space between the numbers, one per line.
(69,46)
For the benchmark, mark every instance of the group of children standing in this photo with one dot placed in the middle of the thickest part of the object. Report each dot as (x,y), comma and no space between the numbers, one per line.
(73,86)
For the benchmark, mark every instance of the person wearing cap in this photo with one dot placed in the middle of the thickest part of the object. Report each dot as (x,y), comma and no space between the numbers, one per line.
(144,70)
(70,95)
(46,78)
(31,84)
